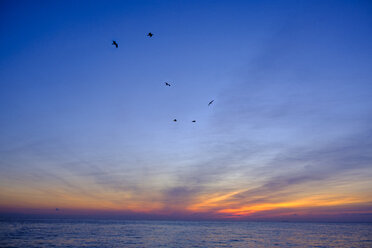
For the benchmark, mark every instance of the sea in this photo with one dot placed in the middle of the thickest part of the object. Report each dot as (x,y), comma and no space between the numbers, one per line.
(119,233)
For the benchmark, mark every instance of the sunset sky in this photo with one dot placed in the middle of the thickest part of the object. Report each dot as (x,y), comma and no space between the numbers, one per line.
(88,128)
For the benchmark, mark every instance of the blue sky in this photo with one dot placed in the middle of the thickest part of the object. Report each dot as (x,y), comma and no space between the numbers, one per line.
(291,82)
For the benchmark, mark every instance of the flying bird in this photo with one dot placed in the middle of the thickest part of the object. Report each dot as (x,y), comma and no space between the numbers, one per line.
(167,84)
(194,121)
(150,34)
(175,120)
(210,102)
(115,44)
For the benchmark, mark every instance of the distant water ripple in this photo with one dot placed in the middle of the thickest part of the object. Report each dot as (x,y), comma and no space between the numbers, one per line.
(104,233)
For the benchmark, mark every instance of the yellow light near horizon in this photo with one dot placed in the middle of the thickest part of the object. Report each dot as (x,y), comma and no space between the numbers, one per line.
(305,202)
(211,201)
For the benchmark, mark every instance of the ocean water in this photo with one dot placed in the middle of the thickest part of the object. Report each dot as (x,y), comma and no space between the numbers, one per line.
(108,233)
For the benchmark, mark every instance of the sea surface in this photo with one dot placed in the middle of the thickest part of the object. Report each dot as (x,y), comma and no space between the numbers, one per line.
(117,233)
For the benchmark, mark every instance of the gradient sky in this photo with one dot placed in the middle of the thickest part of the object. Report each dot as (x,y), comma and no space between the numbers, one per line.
(87,128)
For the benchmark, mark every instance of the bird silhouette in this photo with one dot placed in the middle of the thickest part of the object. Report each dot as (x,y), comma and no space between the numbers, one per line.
(115,44)
(167,84)
(194,121)
(175,120)
(210,102)
(150,34)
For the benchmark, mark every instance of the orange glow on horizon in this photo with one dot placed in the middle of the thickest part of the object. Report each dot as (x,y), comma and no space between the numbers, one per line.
(305,202)
(221,205)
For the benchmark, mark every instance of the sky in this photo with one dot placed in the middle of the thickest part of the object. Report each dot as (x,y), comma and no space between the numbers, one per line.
(87,129)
